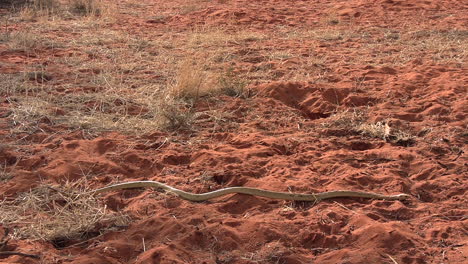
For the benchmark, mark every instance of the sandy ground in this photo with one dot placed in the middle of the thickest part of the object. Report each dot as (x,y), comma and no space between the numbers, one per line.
(357,95)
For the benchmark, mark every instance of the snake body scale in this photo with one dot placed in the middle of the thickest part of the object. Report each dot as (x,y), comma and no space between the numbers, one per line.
(251,191)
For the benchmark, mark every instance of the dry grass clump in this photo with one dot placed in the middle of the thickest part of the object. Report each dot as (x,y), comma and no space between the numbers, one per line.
(355,122)
(12,84)
(192,81)
(55,213)
(347,120)
(28,113)
(21,41)
(377,130)
(113,109)
(195,80)
(177,114)
(86,7)
(384,131)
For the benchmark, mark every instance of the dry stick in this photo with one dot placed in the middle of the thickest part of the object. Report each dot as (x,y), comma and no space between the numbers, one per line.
(393,260)
(342,206)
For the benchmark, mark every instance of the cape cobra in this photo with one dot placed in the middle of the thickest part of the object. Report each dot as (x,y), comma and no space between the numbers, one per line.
(251,191)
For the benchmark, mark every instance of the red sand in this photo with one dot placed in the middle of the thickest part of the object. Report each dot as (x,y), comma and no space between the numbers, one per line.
(278,143)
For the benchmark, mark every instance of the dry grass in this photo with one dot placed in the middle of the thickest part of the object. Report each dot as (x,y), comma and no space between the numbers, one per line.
(193,81)
(14,85)
(355,122)
(86,7)
(54,213)
(35,9)
(383,131)
(4,174)
(28,113)
(138,84)
(379,46)
(116,66)
(232,85)
(178,114)
(376,130)
(401,47)
(347,120)
(103,110)
(21,41)
(116,72)
(45,4)
(44,10)
(444,46)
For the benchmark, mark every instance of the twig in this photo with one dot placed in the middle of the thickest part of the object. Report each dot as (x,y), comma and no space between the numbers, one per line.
(342,205)
(162,144)
(394,261)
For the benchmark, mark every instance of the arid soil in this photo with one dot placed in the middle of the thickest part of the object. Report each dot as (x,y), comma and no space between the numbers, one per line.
(299,96)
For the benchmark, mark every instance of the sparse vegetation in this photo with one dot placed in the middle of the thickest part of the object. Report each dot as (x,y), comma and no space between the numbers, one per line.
(204,94)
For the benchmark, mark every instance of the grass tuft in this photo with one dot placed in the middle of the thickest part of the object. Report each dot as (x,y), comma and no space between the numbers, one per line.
(376,130)
(193,81)
(52,213)
(86,7)
(355,122)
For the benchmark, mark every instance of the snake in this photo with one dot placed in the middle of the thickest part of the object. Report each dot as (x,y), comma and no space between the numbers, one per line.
(195,197)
